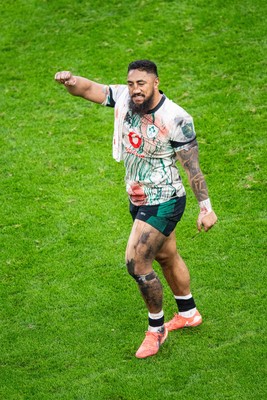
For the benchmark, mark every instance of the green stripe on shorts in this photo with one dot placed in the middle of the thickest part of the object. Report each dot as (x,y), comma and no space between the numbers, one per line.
(166,209)
(158,223)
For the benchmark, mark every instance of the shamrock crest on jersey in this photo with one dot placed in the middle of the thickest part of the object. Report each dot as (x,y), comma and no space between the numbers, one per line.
(152,131)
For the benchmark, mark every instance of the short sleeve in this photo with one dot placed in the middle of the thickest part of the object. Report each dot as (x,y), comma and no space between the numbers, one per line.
(183,132)
(113,94)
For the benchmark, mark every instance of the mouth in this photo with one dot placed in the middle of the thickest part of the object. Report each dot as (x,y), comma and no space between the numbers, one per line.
(138,97)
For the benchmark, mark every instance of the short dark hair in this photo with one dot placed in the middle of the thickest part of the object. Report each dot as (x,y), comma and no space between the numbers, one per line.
(144,65)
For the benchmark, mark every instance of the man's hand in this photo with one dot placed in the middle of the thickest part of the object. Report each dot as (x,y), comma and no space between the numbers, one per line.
(206,219)
(83,87)
(66,78)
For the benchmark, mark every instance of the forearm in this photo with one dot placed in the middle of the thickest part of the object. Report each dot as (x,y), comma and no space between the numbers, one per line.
(189,160)
(190,163)
(82,87)
(88,90)
(198,184)
(79,87)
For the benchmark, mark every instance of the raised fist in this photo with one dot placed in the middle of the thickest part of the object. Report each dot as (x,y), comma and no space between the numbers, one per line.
(66,78)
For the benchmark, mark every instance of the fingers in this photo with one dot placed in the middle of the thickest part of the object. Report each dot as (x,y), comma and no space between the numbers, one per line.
(66,78)
(209,220)
(199,224)
(199,220)
(63,76)
(206,220)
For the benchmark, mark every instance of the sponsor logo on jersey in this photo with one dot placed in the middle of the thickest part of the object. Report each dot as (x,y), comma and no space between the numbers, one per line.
(131,151)
(135,139)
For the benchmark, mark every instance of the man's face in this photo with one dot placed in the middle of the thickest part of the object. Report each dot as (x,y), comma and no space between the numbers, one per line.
(142,86)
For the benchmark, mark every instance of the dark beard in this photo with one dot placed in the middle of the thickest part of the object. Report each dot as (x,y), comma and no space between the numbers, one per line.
(141,109)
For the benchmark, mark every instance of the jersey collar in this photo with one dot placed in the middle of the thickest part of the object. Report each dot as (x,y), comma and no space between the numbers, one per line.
(163,98)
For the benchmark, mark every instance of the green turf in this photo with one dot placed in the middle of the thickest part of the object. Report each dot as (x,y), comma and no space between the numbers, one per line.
(71,317)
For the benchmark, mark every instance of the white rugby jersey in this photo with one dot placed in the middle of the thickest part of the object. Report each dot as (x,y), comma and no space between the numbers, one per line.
(149,146)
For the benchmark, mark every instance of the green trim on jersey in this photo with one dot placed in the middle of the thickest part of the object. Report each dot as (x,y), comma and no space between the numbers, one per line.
(149,146)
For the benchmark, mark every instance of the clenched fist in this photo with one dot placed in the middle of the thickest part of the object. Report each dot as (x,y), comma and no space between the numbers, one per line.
(66,78)
(206,219)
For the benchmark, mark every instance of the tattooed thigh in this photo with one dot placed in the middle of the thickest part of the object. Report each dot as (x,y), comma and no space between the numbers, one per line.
(143,245)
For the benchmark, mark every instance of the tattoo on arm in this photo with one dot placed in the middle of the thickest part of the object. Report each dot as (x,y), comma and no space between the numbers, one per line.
(190,163)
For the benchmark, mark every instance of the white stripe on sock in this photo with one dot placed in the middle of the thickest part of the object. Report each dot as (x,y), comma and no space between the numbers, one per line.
(187,297)
(189,313)
(156,316)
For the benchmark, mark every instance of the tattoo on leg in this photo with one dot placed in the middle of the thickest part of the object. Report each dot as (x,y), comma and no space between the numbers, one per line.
(149,285)
(130,266)
(149,252)
(143,254)
(151,290)
(148,248)
(144,237)
(142,240)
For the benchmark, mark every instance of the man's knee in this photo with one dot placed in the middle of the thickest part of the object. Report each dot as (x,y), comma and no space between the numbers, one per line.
(141,279)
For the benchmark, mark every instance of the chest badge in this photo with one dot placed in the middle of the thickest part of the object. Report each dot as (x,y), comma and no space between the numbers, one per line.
(152,131)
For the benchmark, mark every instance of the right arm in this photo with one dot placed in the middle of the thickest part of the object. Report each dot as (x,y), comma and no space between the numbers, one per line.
(83,87)
(189,160)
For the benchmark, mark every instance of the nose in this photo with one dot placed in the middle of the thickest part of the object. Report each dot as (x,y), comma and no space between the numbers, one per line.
(136,90)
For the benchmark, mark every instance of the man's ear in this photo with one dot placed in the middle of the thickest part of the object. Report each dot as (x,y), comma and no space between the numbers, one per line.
(156,83)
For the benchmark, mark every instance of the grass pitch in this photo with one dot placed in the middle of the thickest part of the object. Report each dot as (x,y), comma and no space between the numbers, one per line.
(71,317)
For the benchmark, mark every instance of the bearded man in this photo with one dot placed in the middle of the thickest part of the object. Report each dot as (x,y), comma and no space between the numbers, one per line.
(152,133)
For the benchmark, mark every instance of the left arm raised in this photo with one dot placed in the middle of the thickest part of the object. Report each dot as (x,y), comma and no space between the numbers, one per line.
(189,160)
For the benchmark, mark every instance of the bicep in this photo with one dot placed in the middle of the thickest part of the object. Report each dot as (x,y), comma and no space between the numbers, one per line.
(96,92)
